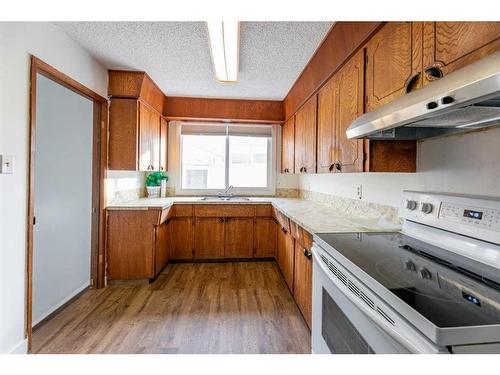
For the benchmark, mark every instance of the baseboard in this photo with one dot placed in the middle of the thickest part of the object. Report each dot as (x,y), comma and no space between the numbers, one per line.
(20,348)
(54,308)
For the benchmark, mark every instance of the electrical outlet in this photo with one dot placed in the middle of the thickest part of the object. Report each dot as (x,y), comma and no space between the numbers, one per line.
(6,164)
(359,191)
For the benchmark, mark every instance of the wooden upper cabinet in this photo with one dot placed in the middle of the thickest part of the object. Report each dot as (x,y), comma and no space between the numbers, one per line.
(288,146)
(134,136)
(238,237)
(163,144)
(449,46)
(349,106)
(326,125)
(305,137)
(208,238)
(394,62)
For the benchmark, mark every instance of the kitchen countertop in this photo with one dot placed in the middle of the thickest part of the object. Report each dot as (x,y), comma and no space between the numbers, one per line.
(313,217)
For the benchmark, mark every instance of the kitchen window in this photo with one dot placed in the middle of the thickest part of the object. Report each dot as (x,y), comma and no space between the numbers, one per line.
(216,156)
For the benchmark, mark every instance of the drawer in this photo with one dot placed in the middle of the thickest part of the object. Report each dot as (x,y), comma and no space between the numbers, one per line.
(263,210)
(224,210)
(180,210)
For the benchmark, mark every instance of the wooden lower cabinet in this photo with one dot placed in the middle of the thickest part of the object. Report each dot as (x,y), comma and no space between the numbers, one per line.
(180,235)
(136,246)
(302,285)
(238,237)
(161,246)
(265,236)
(285,255)
(208,238)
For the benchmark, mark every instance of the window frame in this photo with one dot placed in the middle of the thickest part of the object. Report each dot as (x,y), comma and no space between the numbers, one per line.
(270,189)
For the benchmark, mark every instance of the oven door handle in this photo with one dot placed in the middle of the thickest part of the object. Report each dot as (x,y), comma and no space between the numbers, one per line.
(417,344)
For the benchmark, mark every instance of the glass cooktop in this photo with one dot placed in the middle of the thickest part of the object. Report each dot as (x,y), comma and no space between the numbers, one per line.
(447,289)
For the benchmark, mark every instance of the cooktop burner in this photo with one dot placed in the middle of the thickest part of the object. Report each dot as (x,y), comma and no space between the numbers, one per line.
(447,289)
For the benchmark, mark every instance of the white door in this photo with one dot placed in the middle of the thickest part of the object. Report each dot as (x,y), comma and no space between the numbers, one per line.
(62,196)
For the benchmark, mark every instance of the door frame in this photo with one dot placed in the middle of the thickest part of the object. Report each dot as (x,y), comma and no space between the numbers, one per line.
(99,165)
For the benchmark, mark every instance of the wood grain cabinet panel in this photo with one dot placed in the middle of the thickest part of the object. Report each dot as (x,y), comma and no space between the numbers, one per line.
(149,139)
(349,106)
(449,46)
(394,62)
(302,285)
(161,247)
(288,146)
(285,255)
(163,145)
(305,137)
(238,237)
(327,106)
(209,238)
(180,235)
(265,236)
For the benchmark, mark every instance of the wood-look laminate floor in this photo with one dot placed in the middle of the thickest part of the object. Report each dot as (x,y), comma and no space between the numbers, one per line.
(241,307)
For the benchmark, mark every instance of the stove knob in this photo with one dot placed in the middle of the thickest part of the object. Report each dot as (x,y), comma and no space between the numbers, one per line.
(410,266)
(425,274)
(411,205)
(427,208)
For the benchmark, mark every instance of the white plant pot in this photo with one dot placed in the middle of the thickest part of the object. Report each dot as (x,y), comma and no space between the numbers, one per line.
(153,191)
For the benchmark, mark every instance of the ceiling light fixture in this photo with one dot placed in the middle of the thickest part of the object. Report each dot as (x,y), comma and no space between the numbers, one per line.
(224,43)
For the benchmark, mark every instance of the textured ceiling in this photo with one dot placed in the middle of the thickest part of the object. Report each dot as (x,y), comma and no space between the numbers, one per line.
(177,55)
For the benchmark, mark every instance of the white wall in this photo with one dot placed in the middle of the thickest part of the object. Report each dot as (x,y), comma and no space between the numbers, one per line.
(63,196)
(17,42)
(467,163)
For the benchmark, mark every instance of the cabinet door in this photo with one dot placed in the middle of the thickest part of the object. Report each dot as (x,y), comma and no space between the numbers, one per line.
(288,146)
(163,145)
(238,233)
(326,126)
(302,285)
(286,255)
(349,106)
(123,134)
(208,238)
(145,135)
(180,235)
(161,247)
(155,140)
(265,238)
(305,137)
(449,46)
(394,62)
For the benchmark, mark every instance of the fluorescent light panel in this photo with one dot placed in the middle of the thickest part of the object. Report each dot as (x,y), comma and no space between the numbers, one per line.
(224,44)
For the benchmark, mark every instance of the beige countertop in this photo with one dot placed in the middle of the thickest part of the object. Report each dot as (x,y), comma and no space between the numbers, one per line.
(313,217)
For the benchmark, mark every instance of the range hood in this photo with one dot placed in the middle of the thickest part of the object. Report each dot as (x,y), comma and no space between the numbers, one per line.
(466,99)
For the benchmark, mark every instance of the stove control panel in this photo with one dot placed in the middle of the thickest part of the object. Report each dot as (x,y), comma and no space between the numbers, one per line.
(474,216)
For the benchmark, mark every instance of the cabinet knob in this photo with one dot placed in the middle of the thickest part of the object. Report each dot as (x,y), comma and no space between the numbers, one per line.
(307,254)
(283,229)
(331,167)
(338,166)
(412,82)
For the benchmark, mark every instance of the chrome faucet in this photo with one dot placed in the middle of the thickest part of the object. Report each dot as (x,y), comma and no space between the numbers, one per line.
(226,193)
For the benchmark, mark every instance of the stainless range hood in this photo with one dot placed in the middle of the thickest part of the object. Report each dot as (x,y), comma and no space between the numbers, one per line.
(466,99)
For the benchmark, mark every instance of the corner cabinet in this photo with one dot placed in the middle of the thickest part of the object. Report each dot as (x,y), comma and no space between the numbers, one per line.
(137,137)
(305,137)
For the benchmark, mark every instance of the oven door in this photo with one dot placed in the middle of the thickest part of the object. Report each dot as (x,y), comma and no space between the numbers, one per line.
(341,325)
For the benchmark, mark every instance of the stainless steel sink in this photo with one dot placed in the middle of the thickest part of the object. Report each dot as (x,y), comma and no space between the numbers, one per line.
(225,199)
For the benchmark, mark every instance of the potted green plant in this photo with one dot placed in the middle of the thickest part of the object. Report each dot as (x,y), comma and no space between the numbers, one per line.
(153,182)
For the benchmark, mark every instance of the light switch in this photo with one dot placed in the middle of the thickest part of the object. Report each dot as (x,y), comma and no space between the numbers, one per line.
(6,165)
